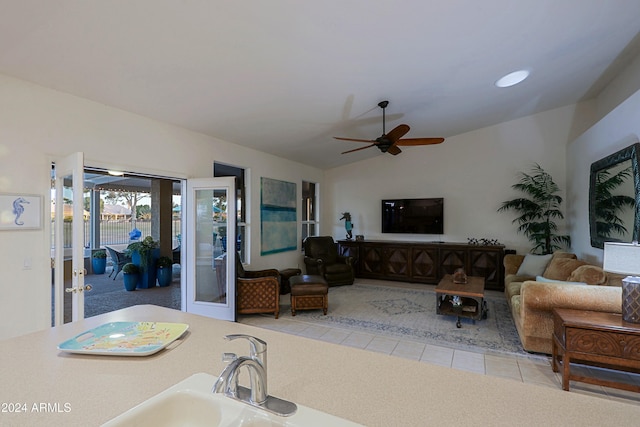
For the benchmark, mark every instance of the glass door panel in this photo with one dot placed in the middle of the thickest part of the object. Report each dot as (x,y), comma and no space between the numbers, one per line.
(69,284)
(210,271)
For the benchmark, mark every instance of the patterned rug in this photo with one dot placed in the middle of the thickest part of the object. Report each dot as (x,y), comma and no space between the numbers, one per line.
(411,314)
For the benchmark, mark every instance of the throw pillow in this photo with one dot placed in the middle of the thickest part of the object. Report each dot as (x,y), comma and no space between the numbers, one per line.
(561,268)
(533,265)
(563,254)
(563,282)
(590,274)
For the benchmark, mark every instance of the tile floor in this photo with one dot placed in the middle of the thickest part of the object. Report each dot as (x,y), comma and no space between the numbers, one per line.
(535,369)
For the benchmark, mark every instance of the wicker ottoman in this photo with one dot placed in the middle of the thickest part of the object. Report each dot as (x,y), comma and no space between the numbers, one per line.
(309,293)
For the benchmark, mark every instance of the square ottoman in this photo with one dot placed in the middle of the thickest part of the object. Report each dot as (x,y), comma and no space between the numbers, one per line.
(309,293)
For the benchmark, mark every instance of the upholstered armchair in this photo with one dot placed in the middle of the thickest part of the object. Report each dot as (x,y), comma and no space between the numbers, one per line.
(257,291)
(321,258)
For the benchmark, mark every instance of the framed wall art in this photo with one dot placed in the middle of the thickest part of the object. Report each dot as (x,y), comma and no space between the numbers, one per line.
(20,212)
(278,217)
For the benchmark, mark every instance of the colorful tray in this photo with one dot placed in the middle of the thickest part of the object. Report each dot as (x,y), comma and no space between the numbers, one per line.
(125,338)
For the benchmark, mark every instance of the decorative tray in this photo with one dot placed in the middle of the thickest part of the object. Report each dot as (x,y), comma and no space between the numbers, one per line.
(125,338)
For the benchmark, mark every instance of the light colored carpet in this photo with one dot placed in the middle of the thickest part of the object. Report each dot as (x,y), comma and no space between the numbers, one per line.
(409,314)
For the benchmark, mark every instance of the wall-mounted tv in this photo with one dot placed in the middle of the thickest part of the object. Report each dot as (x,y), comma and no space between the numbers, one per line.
(416,216)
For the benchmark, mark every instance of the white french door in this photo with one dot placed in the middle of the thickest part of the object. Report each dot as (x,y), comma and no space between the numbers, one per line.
(210,248)
(69,173)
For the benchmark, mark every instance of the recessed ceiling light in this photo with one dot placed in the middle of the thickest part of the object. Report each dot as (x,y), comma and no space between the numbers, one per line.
(512,78)
(116,173)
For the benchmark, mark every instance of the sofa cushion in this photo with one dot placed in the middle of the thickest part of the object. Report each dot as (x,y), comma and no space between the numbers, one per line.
(589,274)
(533,265)
(513,288)
(513,278)
(561,268)
(563,254)
(515,306)
(566,282)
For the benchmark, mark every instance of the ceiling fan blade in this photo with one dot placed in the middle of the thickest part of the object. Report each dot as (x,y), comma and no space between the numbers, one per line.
(397,133)
(394,150)
(420,141)
(353,139)
(358,149)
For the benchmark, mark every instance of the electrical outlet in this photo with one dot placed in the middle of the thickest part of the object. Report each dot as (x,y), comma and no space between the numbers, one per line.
(26,264)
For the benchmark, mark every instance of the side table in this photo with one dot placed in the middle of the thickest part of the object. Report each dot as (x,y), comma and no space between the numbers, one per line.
(596,338)
(285,275)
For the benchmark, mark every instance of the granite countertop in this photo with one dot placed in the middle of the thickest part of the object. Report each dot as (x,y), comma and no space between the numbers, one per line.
(55,388)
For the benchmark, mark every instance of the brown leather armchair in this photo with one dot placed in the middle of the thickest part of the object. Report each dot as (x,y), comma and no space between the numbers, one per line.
(257,291)
(321,258)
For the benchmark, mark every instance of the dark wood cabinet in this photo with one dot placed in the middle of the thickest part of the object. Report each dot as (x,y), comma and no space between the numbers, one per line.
(424,262)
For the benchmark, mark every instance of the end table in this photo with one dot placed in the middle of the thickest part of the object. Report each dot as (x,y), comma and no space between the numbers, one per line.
(595,338)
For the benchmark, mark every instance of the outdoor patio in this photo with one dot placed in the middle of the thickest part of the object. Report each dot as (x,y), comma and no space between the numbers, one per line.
(108,294)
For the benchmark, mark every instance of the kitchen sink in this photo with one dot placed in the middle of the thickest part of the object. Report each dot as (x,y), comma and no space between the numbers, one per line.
(192,403)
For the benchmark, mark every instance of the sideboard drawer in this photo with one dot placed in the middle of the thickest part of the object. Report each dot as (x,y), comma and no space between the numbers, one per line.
(603,343)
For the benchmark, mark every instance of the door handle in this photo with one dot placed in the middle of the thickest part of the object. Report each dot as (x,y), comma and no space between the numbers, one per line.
(85,288)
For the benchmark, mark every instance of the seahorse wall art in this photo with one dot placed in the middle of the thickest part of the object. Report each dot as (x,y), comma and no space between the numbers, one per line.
(18,210)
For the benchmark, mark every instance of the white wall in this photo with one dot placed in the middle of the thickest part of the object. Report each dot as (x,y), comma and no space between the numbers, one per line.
(618,129)
(38,125)
(616,126)
(473,172)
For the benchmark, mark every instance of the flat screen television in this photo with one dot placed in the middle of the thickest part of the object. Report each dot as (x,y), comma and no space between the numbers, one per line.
(415,216)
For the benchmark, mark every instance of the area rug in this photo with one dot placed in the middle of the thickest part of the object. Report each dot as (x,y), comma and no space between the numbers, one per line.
(410,314)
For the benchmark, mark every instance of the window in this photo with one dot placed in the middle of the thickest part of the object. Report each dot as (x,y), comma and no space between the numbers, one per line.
(242,226)
(309,209)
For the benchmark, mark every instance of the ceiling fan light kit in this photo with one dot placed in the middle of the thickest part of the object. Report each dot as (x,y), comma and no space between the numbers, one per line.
(388,143)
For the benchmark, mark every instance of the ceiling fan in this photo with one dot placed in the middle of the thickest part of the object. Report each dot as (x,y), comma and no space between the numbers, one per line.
(388,143)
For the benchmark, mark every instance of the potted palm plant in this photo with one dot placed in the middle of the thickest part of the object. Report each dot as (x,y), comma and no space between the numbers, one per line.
(538,211)
(130,273)
(145,254)
(164,272)
(99,261)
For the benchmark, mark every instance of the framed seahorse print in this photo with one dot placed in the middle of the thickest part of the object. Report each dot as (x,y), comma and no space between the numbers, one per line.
(20,212)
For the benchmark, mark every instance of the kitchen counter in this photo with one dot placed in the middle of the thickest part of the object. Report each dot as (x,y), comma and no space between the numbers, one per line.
(54,388)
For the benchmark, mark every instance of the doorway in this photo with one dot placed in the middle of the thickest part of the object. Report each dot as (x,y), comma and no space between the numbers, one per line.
(120,208)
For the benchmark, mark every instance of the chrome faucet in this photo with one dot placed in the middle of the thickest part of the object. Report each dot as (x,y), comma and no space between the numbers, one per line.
(256,364)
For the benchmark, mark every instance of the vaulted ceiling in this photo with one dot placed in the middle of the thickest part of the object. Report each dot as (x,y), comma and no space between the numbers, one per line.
(285,76)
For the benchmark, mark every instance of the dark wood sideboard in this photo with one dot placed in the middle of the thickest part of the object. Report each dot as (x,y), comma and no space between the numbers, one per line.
(424,262)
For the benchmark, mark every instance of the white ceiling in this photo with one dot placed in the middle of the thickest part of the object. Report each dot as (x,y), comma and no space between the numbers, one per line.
(284,76)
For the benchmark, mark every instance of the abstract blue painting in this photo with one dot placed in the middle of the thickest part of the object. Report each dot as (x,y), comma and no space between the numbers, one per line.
(278,216)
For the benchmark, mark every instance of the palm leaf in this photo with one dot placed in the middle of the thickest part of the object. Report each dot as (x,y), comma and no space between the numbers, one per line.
(538,211)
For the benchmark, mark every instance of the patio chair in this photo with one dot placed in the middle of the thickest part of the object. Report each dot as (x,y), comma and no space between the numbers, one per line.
(119,259)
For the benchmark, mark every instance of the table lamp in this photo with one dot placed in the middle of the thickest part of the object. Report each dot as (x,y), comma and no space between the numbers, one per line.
(624,258)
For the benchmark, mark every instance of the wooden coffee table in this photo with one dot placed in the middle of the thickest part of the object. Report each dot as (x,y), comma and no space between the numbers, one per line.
(471,296)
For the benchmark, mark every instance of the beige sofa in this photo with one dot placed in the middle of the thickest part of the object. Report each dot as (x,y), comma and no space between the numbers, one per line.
(565,283)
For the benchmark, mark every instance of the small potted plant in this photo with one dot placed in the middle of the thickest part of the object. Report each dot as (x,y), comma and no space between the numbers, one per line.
(165,271)
(130,273)
(99,261)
